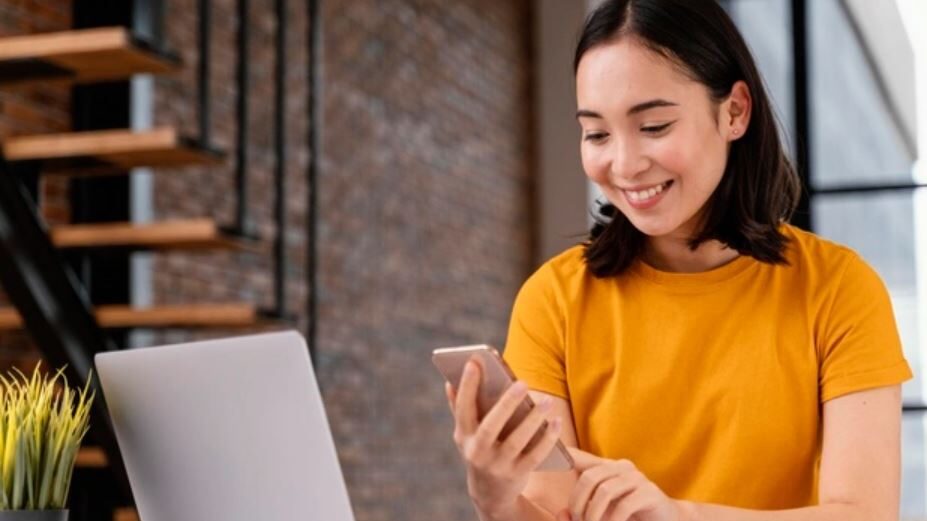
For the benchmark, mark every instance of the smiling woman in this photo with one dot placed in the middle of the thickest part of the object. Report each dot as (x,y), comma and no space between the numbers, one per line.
(671,102)
(707,359)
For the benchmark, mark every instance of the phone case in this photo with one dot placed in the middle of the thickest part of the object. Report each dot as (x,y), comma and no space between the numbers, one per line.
(496,378)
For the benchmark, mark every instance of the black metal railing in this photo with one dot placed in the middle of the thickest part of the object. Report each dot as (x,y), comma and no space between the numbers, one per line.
(243,226)
(242,218)
(204,9)
(280,261)
(867,188)
(50,300)
(802,216)
(314,116)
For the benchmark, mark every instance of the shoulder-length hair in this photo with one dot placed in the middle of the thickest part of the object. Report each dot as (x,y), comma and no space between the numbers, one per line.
(759,188)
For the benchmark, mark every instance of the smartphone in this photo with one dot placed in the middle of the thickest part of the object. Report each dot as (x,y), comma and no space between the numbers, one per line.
(496,377)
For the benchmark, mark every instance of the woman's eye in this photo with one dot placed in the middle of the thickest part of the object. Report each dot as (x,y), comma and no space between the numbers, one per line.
(657,129)
(595,136)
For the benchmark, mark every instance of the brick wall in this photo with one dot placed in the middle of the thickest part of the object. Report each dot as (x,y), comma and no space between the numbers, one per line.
(424,198)
(425,234)
(425,195)
(34,109)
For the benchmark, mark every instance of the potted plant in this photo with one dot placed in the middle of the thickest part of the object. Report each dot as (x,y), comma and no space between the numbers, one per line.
(42,423)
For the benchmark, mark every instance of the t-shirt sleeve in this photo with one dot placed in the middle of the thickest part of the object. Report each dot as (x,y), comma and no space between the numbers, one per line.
(861,348)
(535,346)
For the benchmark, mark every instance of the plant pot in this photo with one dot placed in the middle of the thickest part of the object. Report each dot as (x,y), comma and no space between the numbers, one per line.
(33,515)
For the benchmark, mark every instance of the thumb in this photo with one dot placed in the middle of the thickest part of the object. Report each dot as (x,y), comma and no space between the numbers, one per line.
(583,460)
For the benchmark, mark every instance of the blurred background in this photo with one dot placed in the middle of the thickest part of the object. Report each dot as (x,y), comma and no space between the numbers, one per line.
(382,176)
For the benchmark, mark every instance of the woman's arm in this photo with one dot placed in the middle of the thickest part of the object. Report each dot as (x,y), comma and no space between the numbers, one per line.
(860,464)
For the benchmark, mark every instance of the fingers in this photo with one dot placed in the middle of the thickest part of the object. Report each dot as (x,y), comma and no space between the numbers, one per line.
(637,501)
(582,460)
(607,492)
(585,487)
(534,457)
(590,479)
(494,421)
(465,405)
(516,442)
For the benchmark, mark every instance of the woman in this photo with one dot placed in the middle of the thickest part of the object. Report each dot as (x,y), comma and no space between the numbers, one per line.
(709,360)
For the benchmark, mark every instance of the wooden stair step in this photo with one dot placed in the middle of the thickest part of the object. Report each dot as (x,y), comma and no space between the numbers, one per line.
(125,514)
(185,234)
(109,151)
(81,55)
(91,457)
(169,316)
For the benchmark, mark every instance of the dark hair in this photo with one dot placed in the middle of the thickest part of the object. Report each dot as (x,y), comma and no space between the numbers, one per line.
(759,187)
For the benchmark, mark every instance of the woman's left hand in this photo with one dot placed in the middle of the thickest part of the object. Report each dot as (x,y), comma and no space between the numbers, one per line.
(610,490)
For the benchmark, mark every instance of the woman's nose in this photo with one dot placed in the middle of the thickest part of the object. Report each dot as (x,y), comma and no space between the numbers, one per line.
(627,162)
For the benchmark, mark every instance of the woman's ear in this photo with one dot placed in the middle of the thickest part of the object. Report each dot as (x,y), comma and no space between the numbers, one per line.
(736,110)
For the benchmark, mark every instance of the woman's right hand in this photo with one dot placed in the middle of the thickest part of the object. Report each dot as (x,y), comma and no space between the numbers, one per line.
(497,471)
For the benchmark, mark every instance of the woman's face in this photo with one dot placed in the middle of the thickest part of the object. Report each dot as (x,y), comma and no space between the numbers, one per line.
(652,139)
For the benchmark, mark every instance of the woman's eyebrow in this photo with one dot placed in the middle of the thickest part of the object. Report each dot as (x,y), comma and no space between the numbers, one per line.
(583,113)
(636,109)
(652,104)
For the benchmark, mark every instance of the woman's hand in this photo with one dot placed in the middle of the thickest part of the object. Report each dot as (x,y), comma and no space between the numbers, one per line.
(610,490)
(497,471)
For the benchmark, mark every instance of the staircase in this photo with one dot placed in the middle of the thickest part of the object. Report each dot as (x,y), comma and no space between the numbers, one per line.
(105,54)
(86,56)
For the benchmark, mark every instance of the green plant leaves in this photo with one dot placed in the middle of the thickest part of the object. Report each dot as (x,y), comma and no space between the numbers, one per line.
(42,423)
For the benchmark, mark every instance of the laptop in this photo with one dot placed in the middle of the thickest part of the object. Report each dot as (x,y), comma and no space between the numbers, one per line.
(231,430)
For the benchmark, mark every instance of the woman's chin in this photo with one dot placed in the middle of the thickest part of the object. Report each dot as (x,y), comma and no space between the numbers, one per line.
(655,222)
(654,227)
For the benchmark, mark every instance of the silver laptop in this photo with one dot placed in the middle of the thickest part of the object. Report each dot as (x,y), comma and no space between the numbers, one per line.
(225,430)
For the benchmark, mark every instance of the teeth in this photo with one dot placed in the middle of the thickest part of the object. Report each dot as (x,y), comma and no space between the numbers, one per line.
(646,194)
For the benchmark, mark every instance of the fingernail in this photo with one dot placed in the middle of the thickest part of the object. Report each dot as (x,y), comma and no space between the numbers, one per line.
(556,423)
(519,387)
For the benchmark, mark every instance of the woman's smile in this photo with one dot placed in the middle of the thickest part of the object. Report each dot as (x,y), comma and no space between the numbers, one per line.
(642,198)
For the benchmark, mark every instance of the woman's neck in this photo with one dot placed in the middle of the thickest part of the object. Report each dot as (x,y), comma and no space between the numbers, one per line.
(672,253)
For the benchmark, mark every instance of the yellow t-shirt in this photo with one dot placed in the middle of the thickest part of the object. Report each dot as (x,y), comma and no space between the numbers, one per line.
(711,383)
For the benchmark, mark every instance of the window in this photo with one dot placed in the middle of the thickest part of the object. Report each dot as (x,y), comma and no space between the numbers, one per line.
(843,76)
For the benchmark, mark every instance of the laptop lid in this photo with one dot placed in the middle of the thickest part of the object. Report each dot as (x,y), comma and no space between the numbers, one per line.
(232,429)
